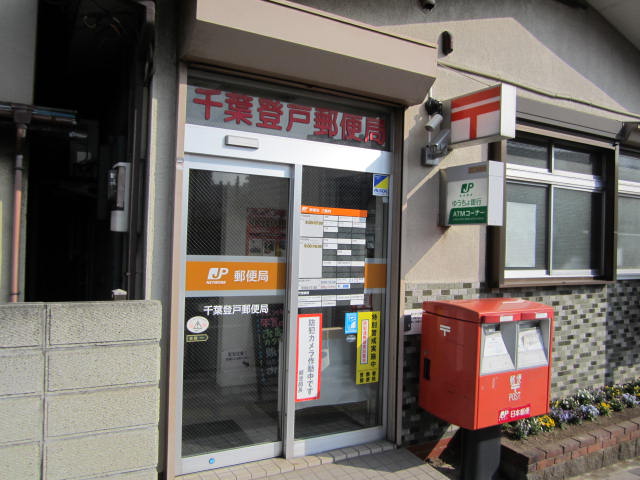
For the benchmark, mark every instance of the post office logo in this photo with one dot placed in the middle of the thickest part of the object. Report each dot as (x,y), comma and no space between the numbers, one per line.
(230,275)
(466,187)
(215,275)
(516,382)
(445,329)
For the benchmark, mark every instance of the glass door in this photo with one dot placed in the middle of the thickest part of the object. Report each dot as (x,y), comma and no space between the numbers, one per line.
(236,243)
(341,280)
(282,299)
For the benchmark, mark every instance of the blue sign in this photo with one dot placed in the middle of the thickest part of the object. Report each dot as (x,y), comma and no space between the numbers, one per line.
(380,185)
(351,323)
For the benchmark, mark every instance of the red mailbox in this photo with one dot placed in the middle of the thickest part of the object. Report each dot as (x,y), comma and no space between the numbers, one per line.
(485,362)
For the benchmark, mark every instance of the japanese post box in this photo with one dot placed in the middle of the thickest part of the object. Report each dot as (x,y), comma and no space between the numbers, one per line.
(485,362)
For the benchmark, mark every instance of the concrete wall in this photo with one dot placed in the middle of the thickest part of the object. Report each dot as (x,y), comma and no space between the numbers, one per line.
(79,395)
(18,50)
(542,44)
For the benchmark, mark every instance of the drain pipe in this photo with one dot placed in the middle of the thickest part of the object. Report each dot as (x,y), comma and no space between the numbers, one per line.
(21,118)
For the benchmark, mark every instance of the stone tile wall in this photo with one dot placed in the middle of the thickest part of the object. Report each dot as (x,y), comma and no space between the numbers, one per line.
(79,395)
(597,332)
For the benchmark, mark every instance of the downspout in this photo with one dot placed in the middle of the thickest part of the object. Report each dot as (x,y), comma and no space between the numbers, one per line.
(21,118)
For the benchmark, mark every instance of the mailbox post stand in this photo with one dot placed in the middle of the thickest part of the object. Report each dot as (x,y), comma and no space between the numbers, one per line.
(481,453)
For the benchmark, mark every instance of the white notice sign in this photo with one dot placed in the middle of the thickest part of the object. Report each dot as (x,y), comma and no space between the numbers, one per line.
(310,258)
(308,358)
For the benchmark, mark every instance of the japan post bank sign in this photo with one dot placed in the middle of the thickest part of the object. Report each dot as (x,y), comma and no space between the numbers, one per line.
(472,194)
(483,116)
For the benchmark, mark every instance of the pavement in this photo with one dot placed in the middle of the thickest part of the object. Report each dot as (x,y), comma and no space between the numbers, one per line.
(626,470)
(378,460)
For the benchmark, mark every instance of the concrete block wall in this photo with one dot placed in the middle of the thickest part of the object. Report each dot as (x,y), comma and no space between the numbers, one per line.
(79,390)
(595,340)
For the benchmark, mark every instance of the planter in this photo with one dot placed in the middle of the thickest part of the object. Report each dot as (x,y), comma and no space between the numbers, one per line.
(573,450)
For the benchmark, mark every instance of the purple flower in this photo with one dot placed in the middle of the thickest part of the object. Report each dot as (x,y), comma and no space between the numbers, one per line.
(588,412)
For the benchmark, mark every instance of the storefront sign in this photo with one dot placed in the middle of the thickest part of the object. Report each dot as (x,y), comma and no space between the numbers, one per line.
(309,357)
(368,348)
(244,308)
(483,116)
(223,275)
(472,194)
(295,119)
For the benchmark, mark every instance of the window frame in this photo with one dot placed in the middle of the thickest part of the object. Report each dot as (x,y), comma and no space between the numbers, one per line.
(606,184)
(627,189)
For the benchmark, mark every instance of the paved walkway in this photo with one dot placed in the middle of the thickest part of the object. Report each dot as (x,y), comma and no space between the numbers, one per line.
(379,460)
(627,470)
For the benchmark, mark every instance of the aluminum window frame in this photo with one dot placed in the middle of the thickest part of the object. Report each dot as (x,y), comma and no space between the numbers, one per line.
(627,189)
(553,179)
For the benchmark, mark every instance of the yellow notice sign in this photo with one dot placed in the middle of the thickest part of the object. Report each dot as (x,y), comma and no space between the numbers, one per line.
(368,361)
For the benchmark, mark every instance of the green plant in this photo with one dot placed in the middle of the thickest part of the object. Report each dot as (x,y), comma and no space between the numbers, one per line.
(585,404)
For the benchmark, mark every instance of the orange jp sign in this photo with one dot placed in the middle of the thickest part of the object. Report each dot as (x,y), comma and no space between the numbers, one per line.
(204,275)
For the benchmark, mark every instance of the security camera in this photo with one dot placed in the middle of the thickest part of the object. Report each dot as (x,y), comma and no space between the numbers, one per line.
(441,142)
(436,149)
(427,4)
(433,123)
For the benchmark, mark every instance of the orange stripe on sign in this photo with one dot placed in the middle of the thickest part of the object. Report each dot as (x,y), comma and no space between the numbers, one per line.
(345,212)
(475,97)
(375,275)
(235,276)
(472,115)
(475,111)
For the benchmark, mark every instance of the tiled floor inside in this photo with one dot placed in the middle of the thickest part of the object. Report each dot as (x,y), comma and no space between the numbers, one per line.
(379,460)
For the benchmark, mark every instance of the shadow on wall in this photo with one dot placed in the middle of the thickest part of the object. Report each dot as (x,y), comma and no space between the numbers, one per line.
(418,426)
(623,332)
(448,253)
(420,210)
(571,44)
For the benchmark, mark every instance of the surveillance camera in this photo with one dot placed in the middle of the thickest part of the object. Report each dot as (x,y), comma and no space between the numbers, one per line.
(433,123)
(427,4)
(441,142)
(436,149)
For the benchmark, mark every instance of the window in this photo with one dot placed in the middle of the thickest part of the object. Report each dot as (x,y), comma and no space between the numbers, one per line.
(555,212)
(628,254)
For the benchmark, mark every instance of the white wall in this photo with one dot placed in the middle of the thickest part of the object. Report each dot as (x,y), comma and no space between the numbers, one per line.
(542,44)
(17,50)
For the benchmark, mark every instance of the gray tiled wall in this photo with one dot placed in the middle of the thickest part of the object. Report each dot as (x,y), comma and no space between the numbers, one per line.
(597,332)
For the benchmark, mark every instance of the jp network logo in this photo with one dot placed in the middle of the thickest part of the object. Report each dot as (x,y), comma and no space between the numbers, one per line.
(215,274)
(466,187)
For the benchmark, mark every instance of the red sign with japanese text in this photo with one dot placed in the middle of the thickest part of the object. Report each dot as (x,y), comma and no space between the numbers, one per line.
(239,111)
